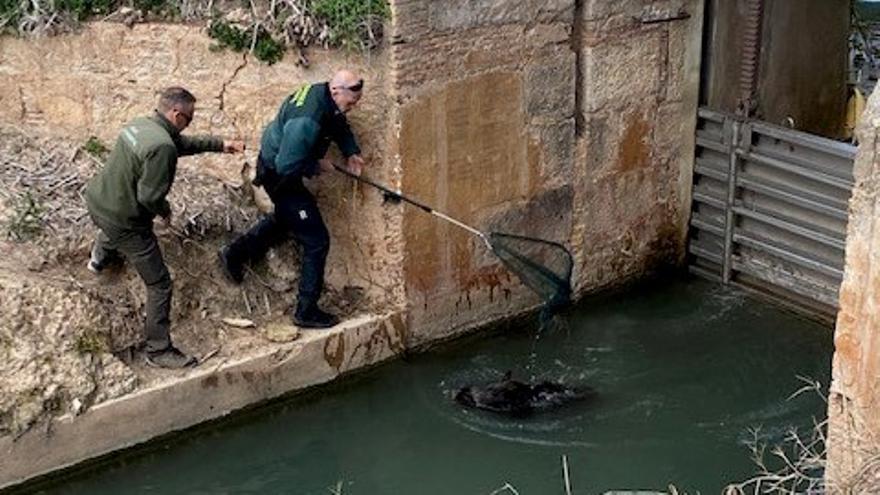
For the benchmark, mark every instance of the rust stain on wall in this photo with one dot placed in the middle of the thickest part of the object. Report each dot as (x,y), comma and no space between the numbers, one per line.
(490,277)
(423,261)
(635,151)
(334,351)
(464,150)
(400,330)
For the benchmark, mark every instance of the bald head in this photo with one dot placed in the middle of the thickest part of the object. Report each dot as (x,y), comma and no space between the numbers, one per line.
(345,78)
(346,89)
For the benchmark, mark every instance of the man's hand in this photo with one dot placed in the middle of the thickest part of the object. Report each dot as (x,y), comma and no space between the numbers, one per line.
(325,165)
(355,164)
(233,146)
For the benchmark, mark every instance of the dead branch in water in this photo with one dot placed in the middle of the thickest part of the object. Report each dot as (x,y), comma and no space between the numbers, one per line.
(800,462)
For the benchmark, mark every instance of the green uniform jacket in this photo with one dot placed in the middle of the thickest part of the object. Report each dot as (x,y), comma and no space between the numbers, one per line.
(301,133)
(130,190)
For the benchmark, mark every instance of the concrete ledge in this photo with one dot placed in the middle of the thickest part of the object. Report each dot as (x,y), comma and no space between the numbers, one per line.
(202,394)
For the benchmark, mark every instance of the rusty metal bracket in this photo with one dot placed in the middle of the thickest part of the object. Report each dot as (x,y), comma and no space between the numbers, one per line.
(656,16)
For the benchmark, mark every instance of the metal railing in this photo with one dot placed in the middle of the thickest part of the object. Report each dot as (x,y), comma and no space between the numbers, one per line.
(769,210)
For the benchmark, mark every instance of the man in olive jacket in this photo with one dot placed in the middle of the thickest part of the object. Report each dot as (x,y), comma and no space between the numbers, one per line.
(293,147)
(130,191)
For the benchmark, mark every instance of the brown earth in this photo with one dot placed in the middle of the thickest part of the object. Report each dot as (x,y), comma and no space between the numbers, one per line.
(68,338)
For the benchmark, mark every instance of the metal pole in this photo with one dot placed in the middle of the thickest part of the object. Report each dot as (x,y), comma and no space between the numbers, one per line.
(733,161)
(399,196)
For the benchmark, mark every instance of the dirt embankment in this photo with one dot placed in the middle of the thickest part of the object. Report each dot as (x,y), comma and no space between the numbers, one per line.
(68,338)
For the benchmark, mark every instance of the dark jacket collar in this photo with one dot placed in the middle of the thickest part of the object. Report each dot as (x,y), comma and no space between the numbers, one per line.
(166,124)
(328,98)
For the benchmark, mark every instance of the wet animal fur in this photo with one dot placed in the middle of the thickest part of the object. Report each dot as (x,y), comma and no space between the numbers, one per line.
(515,398)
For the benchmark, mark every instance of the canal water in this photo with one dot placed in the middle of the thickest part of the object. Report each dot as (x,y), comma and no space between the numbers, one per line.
(683,369)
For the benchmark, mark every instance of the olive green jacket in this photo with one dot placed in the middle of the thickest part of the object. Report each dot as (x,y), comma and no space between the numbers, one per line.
(129,192)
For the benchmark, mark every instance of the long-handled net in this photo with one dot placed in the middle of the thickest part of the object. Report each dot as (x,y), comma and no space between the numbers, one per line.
(543,266)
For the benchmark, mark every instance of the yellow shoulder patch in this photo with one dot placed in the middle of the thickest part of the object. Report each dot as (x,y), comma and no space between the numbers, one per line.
(299,97)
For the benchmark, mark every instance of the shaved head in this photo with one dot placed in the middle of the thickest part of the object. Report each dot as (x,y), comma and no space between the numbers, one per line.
(344,78)
(346,88)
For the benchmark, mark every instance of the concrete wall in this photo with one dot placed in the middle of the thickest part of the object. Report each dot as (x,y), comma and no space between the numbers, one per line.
(487,99)
(563,120)
(536,118)
(803,64)
(637,100)
(93,82)
(854,428)
(545,119)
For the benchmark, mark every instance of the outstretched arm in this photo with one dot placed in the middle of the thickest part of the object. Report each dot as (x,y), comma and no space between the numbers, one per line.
(190,145)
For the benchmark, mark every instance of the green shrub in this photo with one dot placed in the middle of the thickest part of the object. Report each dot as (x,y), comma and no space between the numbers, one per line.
(351,24)
(90,343)
(64,15)
(10,13)
(26,221)
(354,24)
(83,9)
(229,36)
(237,39)
(156,7)
(268,50)
(95,147)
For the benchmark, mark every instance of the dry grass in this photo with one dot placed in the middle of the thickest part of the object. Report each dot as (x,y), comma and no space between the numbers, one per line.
(263,28)
(798,464)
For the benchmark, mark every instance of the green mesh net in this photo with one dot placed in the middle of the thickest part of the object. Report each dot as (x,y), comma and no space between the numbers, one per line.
(542,266)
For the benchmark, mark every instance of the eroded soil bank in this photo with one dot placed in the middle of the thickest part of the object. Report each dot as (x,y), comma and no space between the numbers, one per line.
(66,334)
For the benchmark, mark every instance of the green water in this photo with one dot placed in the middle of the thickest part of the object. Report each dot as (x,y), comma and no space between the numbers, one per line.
(683,369)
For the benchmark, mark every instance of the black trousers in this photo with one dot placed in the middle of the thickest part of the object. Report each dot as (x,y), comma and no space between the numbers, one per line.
(296,215)
(141,249)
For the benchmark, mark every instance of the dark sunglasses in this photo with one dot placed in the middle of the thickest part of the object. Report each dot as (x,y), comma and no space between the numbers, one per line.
(355,88)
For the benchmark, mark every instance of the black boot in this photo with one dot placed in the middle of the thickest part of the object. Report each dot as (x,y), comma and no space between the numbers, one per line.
(309,315)
(232,268)
(171,358)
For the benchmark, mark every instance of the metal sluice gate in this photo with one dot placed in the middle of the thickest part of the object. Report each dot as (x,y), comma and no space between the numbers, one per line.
(769,211)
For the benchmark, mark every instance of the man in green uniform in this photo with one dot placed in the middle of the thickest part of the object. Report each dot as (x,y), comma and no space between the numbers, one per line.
(129,192)
(293,147)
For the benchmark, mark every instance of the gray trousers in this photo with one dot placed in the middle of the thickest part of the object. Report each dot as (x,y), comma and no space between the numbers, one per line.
(141,249)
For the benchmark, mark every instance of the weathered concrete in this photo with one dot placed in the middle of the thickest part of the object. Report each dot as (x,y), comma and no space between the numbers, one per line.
(803,62)
(535,118)
(200,395)
(91,83)
(487,101)
(488,127)
(854,428)
(637,101)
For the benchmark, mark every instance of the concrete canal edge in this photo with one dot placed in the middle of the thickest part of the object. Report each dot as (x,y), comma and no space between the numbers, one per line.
(202,394)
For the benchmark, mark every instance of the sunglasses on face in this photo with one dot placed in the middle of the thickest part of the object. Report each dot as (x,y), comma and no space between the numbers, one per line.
(355,88)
